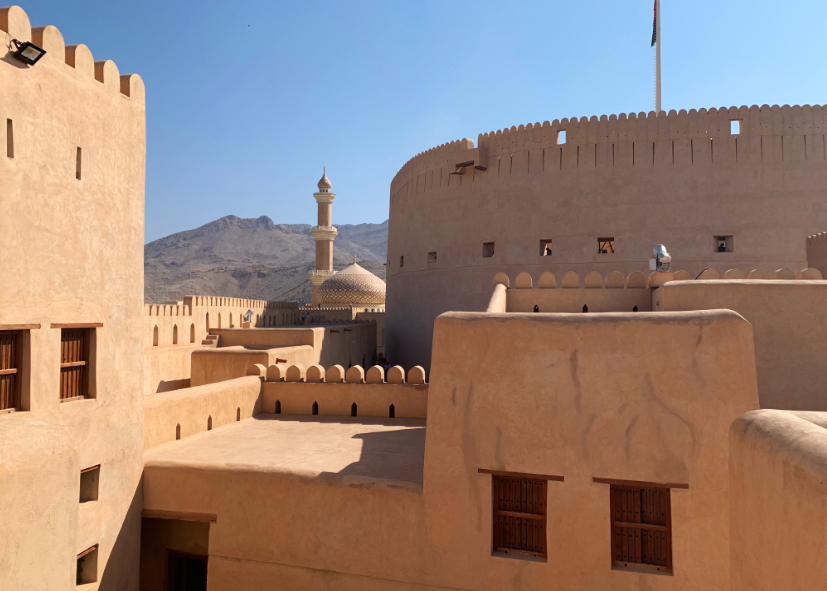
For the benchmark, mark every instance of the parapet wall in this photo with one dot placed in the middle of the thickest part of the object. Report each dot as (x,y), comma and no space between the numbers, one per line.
(586,137)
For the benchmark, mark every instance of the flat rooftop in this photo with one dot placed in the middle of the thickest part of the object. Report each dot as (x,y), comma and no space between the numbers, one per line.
(333,448)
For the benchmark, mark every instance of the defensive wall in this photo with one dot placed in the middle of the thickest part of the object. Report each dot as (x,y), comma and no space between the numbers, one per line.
(71,235)
(577,399)
(172,332)
(459,213)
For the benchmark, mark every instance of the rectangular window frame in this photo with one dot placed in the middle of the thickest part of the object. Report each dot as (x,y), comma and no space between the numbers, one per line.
(727,239)
(77,384)
(606,244)
(488,249)
(666,566)
(546,244)
(432,257)
(11,370)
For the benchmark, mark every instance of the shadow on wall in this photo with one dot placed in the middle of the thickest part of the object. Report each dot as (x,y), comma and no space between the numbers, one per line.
(122,568)
(171,385)
(390,455)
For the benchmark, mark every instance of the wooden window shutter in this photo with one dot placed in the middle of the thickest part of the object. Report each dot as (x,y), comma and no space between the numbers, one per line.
(74,363)
(641,528)
(519,515)
(9,369)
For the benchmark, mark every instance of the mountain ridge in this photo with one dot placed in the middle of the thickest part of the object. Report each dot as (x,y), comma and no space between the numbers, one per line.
(252,258)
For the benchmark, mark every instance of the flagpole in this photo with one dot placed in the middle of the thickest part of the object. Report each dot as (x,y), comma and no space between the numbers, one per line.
(657,58)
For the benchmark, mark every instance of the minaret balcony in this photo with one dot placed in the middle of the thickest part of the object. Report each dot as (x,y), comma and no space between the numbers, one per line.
(318,276)
(324,232)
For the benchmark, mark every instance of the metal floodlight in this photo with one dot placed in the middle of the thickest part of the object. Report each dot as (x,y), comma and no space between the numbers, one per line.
(27,52)
(248,317)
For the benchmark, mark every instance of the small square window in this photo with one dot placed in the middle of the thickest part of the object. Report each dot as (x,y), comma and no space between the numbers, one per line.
(89,480)
(431,257)
(488,250)
(724,244)
(641,528)
(402,261)
(88,566)
(735,127)
(561,137)
(606,245)
(519,520)
(545,248)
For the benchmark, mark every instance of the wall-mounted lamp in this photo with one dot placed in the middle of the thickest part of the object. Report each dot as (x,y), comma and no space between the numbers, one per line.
(27,52)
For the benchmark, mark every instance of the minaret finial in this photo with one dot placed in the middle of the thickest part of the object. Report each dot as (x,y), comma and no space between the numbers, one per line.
(354,259)
(324,183)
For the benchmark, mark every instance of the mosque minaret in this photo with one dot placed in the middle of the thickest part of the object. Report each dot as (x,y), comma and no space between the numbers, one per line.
(324,233)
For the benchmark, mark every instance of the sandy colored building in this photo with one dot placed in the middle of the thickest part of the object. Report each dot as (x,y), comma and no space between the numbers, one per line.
(583,427)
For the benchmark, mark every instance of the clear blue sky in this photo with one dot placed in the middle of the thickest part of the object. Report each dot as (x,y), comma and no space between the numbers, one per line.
(247,100)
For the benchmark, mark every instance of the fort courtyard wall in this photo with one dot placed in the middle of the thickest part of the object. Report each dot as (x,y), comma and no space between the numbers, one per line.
(681,179)
(71,234)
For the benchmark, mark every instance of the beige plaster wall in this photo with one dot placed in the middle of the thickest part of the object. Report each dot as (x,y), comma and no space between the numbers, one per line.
(216,365)
(372,400)
(73,253)
(678,179)
(646,397)
(168,368)
(779,501)
(191,409)
(787,322)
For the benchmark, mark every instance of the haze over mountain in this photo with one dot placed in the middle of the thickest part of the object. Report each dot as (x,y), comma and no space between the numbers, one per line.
(252,258)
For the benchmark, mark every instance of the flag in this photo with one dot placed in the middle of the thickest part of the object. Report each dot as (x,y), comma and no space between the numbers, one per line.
(655,26)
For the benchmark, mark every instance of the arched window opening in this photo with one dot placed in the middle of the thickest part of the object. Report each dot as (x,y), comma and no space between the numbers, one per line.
(219,320)
(155,337)
(536,308)
(634,309)
(278,407)
(208,321)
(585,308)
(209,423)
(178,431)
(238,414)
(315,409)
(392,412)
(175,335)
(353,409)
(192,333)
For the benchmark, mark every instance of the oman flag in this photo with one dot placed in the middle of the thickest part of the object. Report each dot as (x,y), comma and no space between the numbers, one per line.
(655,26)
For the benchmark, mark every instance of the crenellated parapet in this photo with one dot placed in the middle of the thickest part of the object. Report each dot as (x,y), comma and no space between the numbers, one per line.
(75,60)
(700,137)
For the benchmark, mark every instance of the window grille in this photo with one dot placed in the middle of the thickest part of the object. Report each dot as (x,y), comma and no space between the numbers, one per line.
(519,515)
(641,527)
(605,245)
(74,360)
(9,369)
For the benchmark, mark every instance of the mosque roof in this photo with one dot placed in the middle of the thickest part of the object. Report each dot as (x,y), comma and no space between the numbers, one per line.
(354,285)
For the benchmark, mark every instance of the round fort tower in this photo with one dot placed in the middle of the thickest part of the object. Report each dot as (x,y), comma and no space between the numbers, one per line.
(730,188)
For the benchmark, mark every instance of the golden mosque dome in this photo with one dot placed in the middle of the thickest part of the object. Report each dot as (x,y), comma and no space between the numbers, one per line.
(324,183)
(354,285)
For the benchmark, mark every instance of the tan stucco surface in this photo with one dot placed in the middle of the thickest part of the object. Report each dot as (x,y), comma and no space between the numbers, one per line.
(644,396)
(786,317)
(72,252)
(573,300)
(192,409)
(226,363)
(779,501)
(679,179)
(372,400)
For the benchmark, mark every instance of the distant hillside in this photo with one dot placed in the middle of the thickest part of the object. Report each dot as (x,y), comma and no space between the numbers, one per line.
(252,258)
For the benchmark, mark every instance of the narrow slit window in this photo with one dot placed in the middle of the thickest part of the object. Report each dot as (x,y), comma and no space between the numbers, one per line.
(10,370)
(315,408)
(735,127)
(519,519)
(9,138)
(401,261)
(561,137)
(75,344)
(431,257)
(178,431)
(606,245)
(192,333)
(78,163)
(391,412)
(487,250)
(89,482)
(545,248)
(87,568)
(209,423)
(724,244)
(175,335)
(641,528)
(238,414)
(278,407)
(353,409)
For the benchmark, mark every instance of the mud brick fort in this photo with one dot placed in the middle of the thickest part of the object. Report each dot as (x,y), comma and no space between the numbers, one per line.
(599,365)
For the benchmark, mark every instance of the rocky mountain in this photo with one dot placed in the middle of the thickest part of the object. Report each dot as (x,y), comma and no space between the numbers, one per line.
(252,258)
